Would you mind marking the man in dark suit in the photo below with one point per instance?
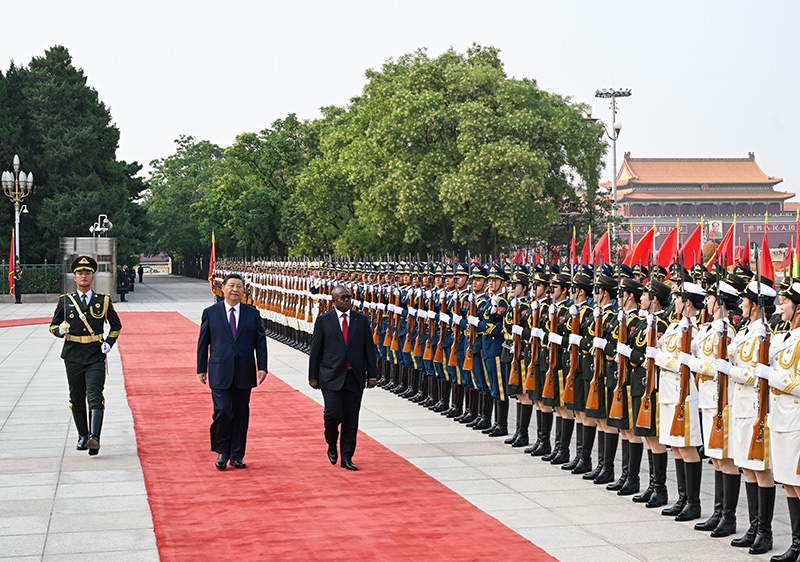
(235, 333)
(341, 363)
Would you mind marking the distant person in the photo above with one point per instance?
(131, 278)
(123, 283)
(18, 284)
(140, 271)
(80, 319)
(237, 362)
(342, 361)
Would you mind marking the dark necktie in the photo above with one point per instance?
(85, 301)
(344, 333)
(233, 323)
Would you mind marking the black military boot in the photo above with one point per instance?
(625, 468)
(96, 425)
(678, 506)
(585, 461)
(731, 483)
(445, 401)
(766, 506)
(471, 398)
(794, 518)
(538, 442)
(502, 419)
(606, 475)
(455, 409)
(83, 429)
(513, 438)
(711, 523)
(660, 495)
(632, 482)
(601, 458)
(644, 497)
(402, 379)
(557, 442)
(434, 388)
(547, 426)
(751, 490)
(489, 405)
(525, 414)
(485, 408)
(578, 448)
(694, 473)
(567, 427)
(422, 389)
(413, 382)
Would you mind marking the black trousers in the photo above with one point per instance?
(86, 384)
(231, 420)
(342, 408)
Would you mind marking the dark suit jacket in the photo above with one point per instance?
(329, 355)
(231, 361)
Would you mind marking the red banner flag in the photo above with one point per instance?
(644, 247)
(725, 249)
(744, 259)
(691, 250)
(211, 261)
(602, 251)
(668, 249)
(573, 252)
(765, 267)
(586, 255)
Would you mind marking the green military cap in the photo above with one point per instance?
(561, 278)
(583, 281)
(520, 275)
(632, 286)
(84, 263)
(660, 290)
(540, 275)
(607, 283)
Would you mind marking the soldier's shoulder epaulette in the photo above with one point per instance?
(101, 295)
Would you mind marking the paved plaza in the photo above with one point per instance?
(58, 504)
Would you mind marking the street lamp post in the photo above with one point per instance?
(17, 185)
(613, 94)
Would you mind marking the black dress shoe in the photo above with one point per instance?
(333, 456)
(238, 463)
(222, 461)
(348, 464)
(83, 443)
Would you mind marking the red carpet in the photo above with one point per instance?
(290, 503)
(24, 322)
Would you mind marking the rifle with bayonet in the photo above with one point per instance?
(716, 439)
(679, 419)
(757, 451)
(616, 411)
(645, 417)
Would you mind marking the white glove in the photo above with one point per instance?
(516, 330)
(719, 326)
(534, 306)
(62, 331)
(444, 318)
(473, 321)
(685, 358)
(396, 292)
(620, 316)
(412, 311)
(391, 307)
(760, 331)
(428, 294)
(624, 349)
(597, 312)
(472, 297)
(684, 324)
(723, 366)
(538, 333)
(555, 338)
(456, 319)
(764, 371)
(573, 311)
(105, 348)
(357, 304)
(514, 302)
(650, 319)
(418, 292)
(600, 343)
(575, 339)
(652, 353)
(382, 306)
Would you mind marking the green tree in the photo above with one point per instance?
(64, 134)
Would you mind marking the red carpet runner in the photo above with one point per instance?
(25, 322)
(290, 503)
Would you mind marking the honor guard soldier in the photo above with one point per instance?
(517, 333)
(540, 307)
(80, 319)
(490, 329)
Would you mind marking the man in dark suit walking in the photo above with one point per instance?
(341, 363)
(238, 358)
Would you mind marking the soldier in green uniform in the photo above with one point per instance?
(80, 319)
(540, 306)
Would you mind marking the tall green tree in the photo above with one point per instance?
(64, 134)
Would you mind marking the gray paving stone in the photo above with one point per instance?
(606, 553)
(23, 524)
(113, 556)
(100, 541)
(13, 546)
(106, 521)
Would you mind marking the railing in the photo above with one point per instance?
(40, 278)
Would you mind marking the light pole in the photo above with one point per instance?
(613, 94)
(101, 226)
(17, 186)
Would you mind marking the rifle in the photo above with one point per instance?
(387, 338)
(569, 384)
(593, 399)
(679, 420)
(716, 438)
(413, 301)
(420, 329)
(453, 360)
(468, 355)
(438, 357)
(513, 377)
(550, 378)
(645, 417)
(759, 428)
(616, 410)
(530, 377)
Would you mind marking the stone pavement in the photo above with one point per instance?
(57, 504)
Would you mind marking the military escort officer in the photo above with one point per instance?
(80, 319)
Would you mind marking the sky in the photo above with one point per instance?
(708, 78)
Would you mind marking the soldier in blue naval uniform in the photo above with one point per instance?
(80, 319)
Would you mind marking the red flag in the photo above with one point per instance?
(11, 266)
(644, 247)
(725, 248)
(573, 252)
(691, 250)
(787, 259)
(744, 259)
(211, 261)
(765, 267)
(538, 256)
(602, 251)
(668, 249)
(586, 255)
(518, 257)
